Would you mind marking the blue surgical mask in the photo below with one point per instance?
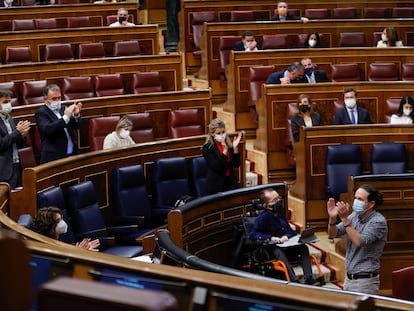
(308, 71)
(358, 207)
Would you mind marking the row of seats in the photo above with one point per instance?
(53, 23)
(31, 92)
(181, 123)
(340, 73)
(67, 51)
(386, 158)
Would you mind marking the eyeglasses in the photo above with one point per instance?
(55, 98)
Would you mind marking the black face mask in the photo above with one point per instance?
(304, 108)
(122, 19)
(277, 208)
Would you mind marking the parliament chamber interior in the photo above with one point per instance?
(171, 74)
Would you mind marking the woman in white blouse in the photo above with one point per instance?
(389, 38)
(404, 115)
(120, 137)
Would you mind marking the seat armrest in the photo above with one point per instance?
(129, 220)
(94, 234)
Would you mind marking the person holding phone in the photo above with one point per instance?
(57, 124)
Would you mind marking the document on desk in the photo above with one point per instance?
(307, 236)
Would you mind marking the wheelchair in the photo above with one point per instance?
(257, 256)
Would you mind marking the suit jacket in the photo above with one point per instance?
(274, 78)
(320, 76)
(239, 46)
(216, 168)
(6, 148)
(342, 116)
(14, 3)
(289, 17)
(297, 121)
(53, 138)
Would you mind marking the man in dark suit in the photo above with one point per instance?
(12, 136)
(351, 113)
(247, 43)
(311, 74)
(293, 74)
(56, 125)
(284, 15)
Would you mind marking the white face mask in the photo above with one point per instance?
(220, 137)
(6, 108)
(384, 37)
(61, 227)
(56, 105)
(350, 103)
(407, 112)
(124, 133)
(311, 43)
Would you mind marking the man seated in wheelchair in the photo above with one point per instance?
(272, 226)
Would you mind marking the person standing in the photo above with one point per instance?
(222, 157)
(351, 113)
(366, 230)
(57, 124)
(12, 136)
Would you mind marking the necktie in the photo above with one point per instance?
(353, 116)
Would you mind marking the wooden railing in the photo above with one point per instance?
(237, 72)
(147, 35)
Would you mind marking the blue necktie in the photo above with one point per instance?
(353, 116)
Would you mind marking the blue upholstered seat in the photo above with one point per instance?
(342, 161)
(198, 176)
(388, 158)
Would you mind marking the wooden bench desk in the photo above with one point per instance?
(147, 35)
(237, 71)
(332, 28)
(96, 12)
(262, 9)
(270, 145)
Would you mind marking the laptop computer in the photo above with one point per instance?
(307, 236)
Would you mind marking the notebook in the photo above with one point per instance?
(307, 236)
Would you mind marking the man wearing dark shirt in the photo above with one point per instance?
(272, 225)
(284, 15)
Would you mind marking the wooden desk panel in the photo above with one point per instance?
(237, 71)
(96, 12)
(147, 35)
(263, 9)
(157, 104)
(332, 28)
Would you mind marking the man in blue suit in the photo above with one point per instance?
(56, 124)
(351, 113)
(311, 74)
(293, 74)
(247, 43)
(284, 15)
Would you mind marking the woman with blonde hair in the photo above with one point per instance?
(304, 116)
(222, 156)
(121, 136)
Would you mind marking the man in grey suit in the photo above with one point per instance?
(351, 113)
